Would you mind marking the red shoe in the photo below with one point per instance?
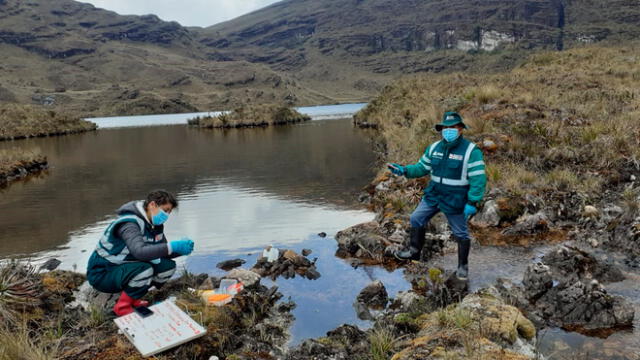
(124, 305)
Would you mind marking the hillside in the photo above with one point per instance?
(404, 36)
(64, 53)
(72, 55)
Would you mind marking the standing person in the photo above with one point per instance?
(457, 185)
(133, 254)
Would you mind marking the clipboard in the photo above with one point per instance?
(166, 328)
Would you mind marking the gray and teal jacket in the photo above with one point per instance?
(457, 174)
(129, 238)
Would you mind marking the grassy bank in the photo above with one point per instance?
(562, 122)
(250, 116)
(38, 321)
(16, 163)
(25, 121)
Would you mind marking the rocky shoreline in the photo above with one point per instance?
(22, 169)
(28, 121)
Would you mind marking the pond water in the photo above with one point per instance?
(325, 112)
(239, 191)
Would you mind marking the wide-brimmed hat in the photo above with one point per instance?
(450, 118)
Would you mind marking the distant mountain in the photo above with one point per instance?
(66, 54)
(406, 35)
(78, 57)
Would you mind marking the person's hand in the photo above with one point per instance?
(396, 169)
(183, 246)
(469, 210)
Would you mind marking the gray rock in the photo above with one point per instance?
(489, 215)
(611, 212)
(537, 280)
(409, 301)
(529, 225)
(50, 264)
(247, 277)
(89, 298)
(361, 240)
(230, 264)
(571, 263)
(374, 295)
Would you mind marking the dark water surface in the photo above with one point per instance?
(239, 191)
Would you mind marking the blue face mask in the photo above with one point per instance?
(160, 217)
(450, 134)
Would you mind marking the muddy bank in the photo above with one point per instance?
(251, 116)
(16, 164)
(27, 121)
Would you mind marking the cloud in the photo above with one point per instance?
(186, 12)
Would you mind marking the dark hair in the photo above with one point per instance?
(161, 197)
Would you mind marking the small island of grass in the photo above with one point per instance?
(251, 116)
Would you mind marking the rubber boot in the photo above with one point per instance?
(124, 305)
(464, 246)
(416, 242)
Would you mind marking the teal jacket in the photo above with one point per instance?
(457, 174)
(129, 238)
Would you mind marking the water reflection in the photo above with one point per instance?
(324, 112)
(322, 304)
(321, 164)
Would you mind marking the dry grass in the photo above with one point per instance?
(23, 121)
(24, 344)
(14, 157)
(566, 121)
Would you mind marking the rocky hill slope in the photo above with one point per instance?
(405, 35)
(70, 54)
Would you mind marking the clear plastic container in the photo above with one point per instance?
(235, 288)
(225, 284)
(271, 253)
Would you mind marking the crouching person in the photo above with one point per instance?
(133, 254)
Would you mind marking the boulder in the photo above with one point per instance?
(488, 216)
(537, 280)
(89, 298)
(362, 241)
(247, 277)
(496, 330)
(583, 306)
(570, 264)
(230, 264)
(529, 225)
(374, 295)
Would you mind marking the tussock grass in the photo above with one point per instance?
(14, 157)
(382, 342)
(252, 115)
(21, 343)
(24, 121)
(563, 121)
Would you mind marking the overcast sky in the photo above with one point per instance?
(186, 12)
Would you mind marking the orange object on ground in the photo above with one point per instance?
(219, 299)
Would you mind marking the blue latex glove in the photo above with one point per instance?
(469, 210)
(397, 169)
(183, 246)
(155, 261)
